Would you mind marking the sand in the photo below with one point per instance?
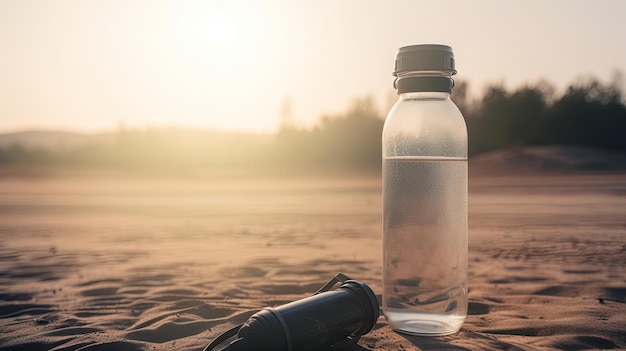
(157, 263)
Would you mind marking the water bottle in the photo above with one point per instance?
(424, 147)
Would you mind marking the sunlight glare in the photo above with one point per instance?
(221, 32)
(212, 51)
(216, 37)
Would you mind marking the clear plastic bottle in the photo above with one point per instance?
(425, 197)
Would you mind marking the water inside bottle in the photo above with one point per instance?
(425, 244)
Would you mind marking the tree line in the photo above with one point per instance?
(587, 113)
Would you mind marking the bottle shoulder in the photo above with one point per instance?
(425, 127)
(423, 107)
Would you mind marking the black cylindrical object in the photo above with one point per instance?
(334, 319)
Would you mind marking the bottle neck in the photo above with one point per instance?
(423, 83)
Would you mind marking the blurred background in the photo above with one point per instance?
(277, 86)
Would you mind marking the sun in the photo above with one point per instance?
(215, 35)
(221, 32)
(211, 51)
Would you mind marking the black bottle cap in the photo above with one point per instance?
(425, 57)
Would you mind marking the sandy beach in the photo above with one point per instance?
(157, 263)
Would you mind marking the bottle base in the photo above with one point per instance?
(424, 324)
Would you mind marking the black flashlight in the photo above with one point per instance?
(329, 320)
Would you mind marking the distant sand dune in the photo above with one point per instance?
(553, 158)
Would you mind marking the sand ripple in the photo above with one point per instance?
(133, 272)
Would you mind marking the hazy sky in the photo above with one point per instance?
(88, 65)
